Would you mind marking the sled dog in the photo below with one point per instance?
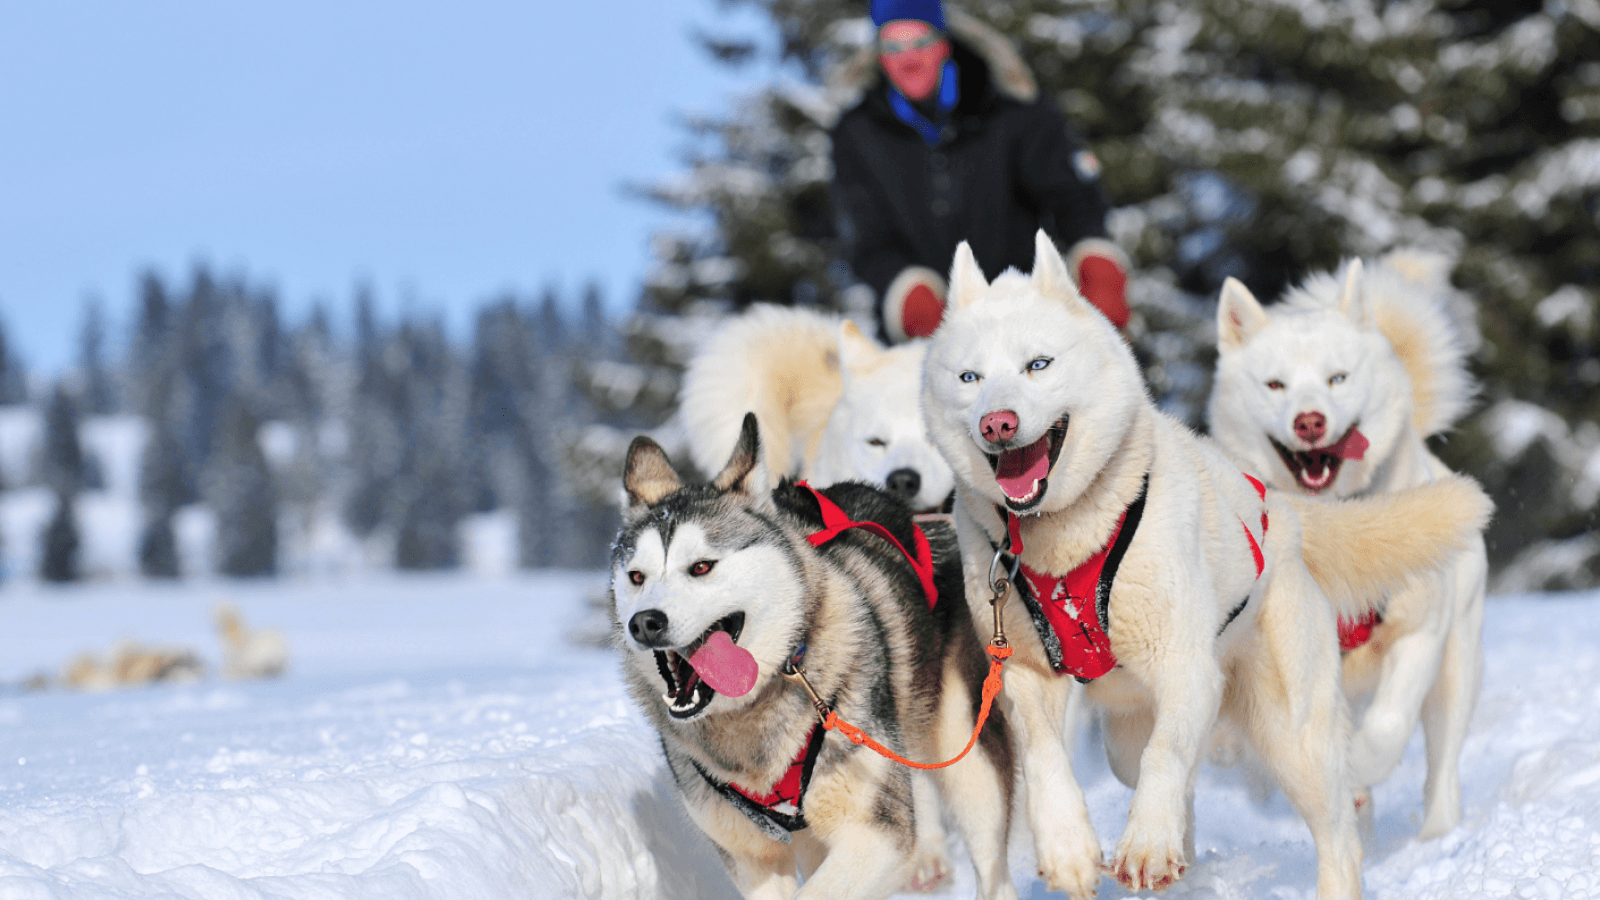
(833, 404)
(1333, 392)
(717, 589)
(1180, 591)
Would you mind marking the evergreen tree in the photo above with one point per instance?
(161, 492)
(61, 464)
(60, 542)
(239, 488)
(97, 395)
(62, 471)
(13, 380)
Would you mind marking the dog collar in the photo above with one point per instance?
(836, 521)
(777, 812)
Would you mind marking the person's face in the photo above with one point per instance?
(912, 54)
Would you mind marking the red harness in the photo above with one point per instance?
(836, 521)
(1355, 632)
(1070, 612)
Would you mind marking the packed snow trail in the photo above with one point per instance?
(446, 737)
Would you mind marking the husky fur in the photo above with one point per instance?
(733, 556)
(1377, 349)
(1204, 633)
(833, 404)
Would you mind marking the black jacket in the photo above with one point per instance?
(1004, 169)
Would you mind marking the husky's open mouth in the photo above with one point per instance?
(1023, 473)
(687, 692)
(1317, 469)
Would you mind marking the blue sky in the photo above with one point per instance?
(442, 153)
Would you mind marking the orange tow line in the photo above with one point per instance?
(998, 649)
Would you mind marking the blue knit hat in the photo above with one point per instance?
(930, 11)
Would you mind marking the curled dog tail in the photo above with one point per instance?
(1362, 549)
(780, 363)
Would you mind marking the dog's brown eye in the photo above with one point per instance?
(1274, 385)
(1338, 378)
(636, 576)
(877, 442)
(701, 567)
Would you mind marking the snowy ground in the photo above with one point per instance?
(444, 737)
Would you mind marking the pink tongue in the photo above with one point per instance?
(1352, 446)
(726, 666)
(1020, 470)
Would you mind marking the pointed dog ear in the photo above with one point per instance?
(1239, 315)
(745, 472)
(647, 476)
(1353, 295)
(856, 350)
(1050, 275)
(967, 283)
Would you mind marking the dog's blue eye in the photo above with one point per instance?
(969, 376)
(1040, 363)
(1337, 379)
(701, 567)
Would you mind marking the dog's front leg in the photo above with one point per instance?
(1036, 701)
(864, 861)
(1407, 672)
(1187, 689)
(767, 873)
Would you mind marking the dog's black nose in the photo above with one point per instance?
(904, 484)
(648, 627)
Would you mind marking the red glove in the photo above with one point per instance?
(913, 304)
(923, 310)
(1104, 283)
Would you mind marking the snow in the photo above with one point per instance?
(450, 737)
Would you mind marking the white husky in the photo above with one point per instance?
(1333, 391)
(1146, 566)
(833, 405)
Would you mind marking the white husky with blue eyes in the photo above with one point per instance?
(1147, 565)
(1333, 392)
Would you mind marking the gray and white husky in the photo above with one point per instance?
(718, 589)
(1333, 392)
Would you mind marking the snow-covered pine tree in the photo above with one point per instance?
(61, 469)
(60, 543)
(1255, 138)
(429, 492)
(376, 447)
(239, 488)
(161, 492)
(97, 396)
(13, 377)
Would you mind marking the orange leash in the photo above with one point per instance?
(999, 651)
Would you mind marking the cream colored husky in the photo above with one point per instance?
(1333, 392)
(1150, 567)
(833, 404)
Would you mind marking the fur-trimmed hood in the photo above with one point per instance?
(848, 82)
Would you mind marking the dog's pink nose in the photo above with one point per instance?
(999, 426)
(1310, 427)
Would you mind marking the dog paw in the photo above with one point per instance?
(930, 871)
(1148, 866)
(1072, 865)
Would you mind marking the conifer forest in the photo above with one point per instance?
(1258, 139)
